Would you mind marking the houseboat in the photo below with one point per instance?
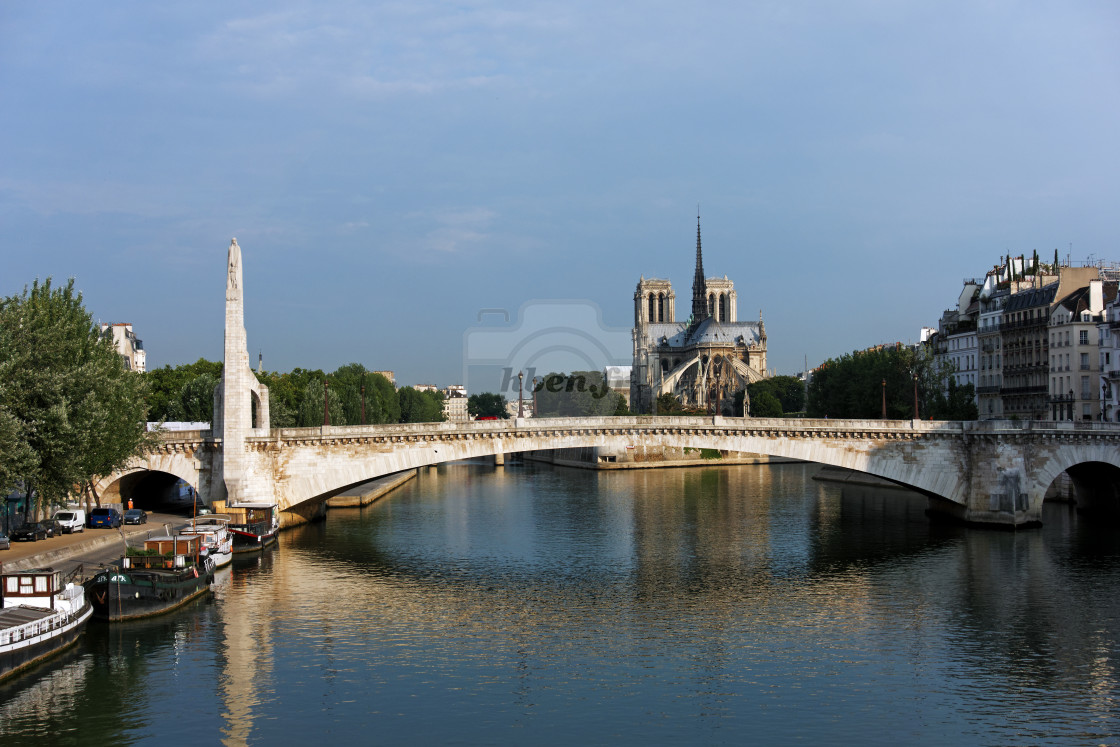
(254, 526)
(216, 538)
(43, 613)
(169, 572)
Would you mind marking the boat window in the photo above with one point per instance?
(40, 583)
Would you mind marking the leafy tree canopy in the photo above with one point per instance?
(420, 407)
(74, 410)
(487, 405)
(853, 387)
(578, 394)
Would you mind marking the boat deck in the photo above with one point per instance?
(12, 617)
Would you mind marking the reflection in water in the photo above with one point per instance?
(552, 605)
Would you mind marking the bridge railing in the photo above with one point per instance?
(645, 423)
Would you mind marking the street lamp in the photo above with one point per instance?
(326, 402)
(915, 396)
(520, 398)
(535, 387)
(884, 399)
(363, 393)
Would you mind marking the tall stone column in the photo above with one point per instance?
(233, 400)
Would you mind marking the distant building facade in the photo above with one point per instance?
(1036, 341)
(703, 361)
(130, 347)
(455, 404)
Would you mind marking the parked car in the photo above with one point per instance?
(5, 543)
(54, 529)
(135, 516)
(110, 518)
(71, 521)
(30, 533)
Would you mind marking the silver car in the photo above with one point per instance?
(5, 543)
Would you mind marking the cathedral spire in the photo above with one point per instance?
(699, 285)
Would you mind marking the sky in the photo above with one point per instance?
(396, 171)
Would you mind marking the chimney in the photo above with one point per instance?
(1096, 296)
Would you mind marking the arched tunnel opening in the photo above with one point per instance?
(1093, 486)
(148, 490)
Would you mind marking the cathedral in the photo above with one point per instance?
(703, 361)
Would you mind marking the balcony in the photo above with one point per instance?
(1039, 389)
(987, 390)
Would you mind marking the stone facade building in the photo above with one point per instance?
(130, 347)
(702, 361)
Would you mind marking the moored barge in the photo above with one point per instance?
(254, 526)
(170, 572)
(43, 613)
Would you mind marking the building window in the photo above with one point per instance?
(1084, 337)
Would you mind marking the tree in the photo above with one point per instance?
(165, 388)
(387, 398)
(487, 405)
(80, 413)
(420, 407)
(196, 399)
(852, 386)
(578, 394)
(765, 405)
(311, 412)
(16, 456)
(786, 394)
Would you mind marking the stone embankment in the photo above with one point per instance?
(367, 493)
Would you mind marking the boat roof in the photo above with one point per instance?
(252, 505)
(11, 617)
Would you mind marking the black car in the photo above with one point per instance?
(135, 516)
(54, 527)
(30, 533)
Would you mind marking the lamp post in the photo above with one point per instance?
(1071, 405)
(363, 393)
(535, 387)
(884, 399)
(915, 396)
(520, 398)
(326, 402)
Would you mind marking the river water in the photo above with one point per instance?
(482, 605)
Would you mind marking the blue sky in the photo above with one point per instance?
(390, 169)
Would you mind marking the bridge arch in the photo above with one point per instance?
(1094, 473)
(317, 467)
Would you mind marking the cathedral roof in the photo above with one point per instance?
(708, 332)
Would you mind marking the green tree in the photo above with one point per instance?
(578, 394)
(196, 399)
(852, 386)
(787, 391)
(16, 457)
(387, 398)
(765, 405)
(487, 405)
(311, 407)
(80, 413)
(420, 407)
(165, 387)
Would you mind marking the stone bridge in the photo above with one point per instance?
(992, 472)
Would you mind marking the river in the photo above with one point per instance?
(533, 604)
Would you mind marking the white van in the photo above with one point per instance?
(71, 520)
